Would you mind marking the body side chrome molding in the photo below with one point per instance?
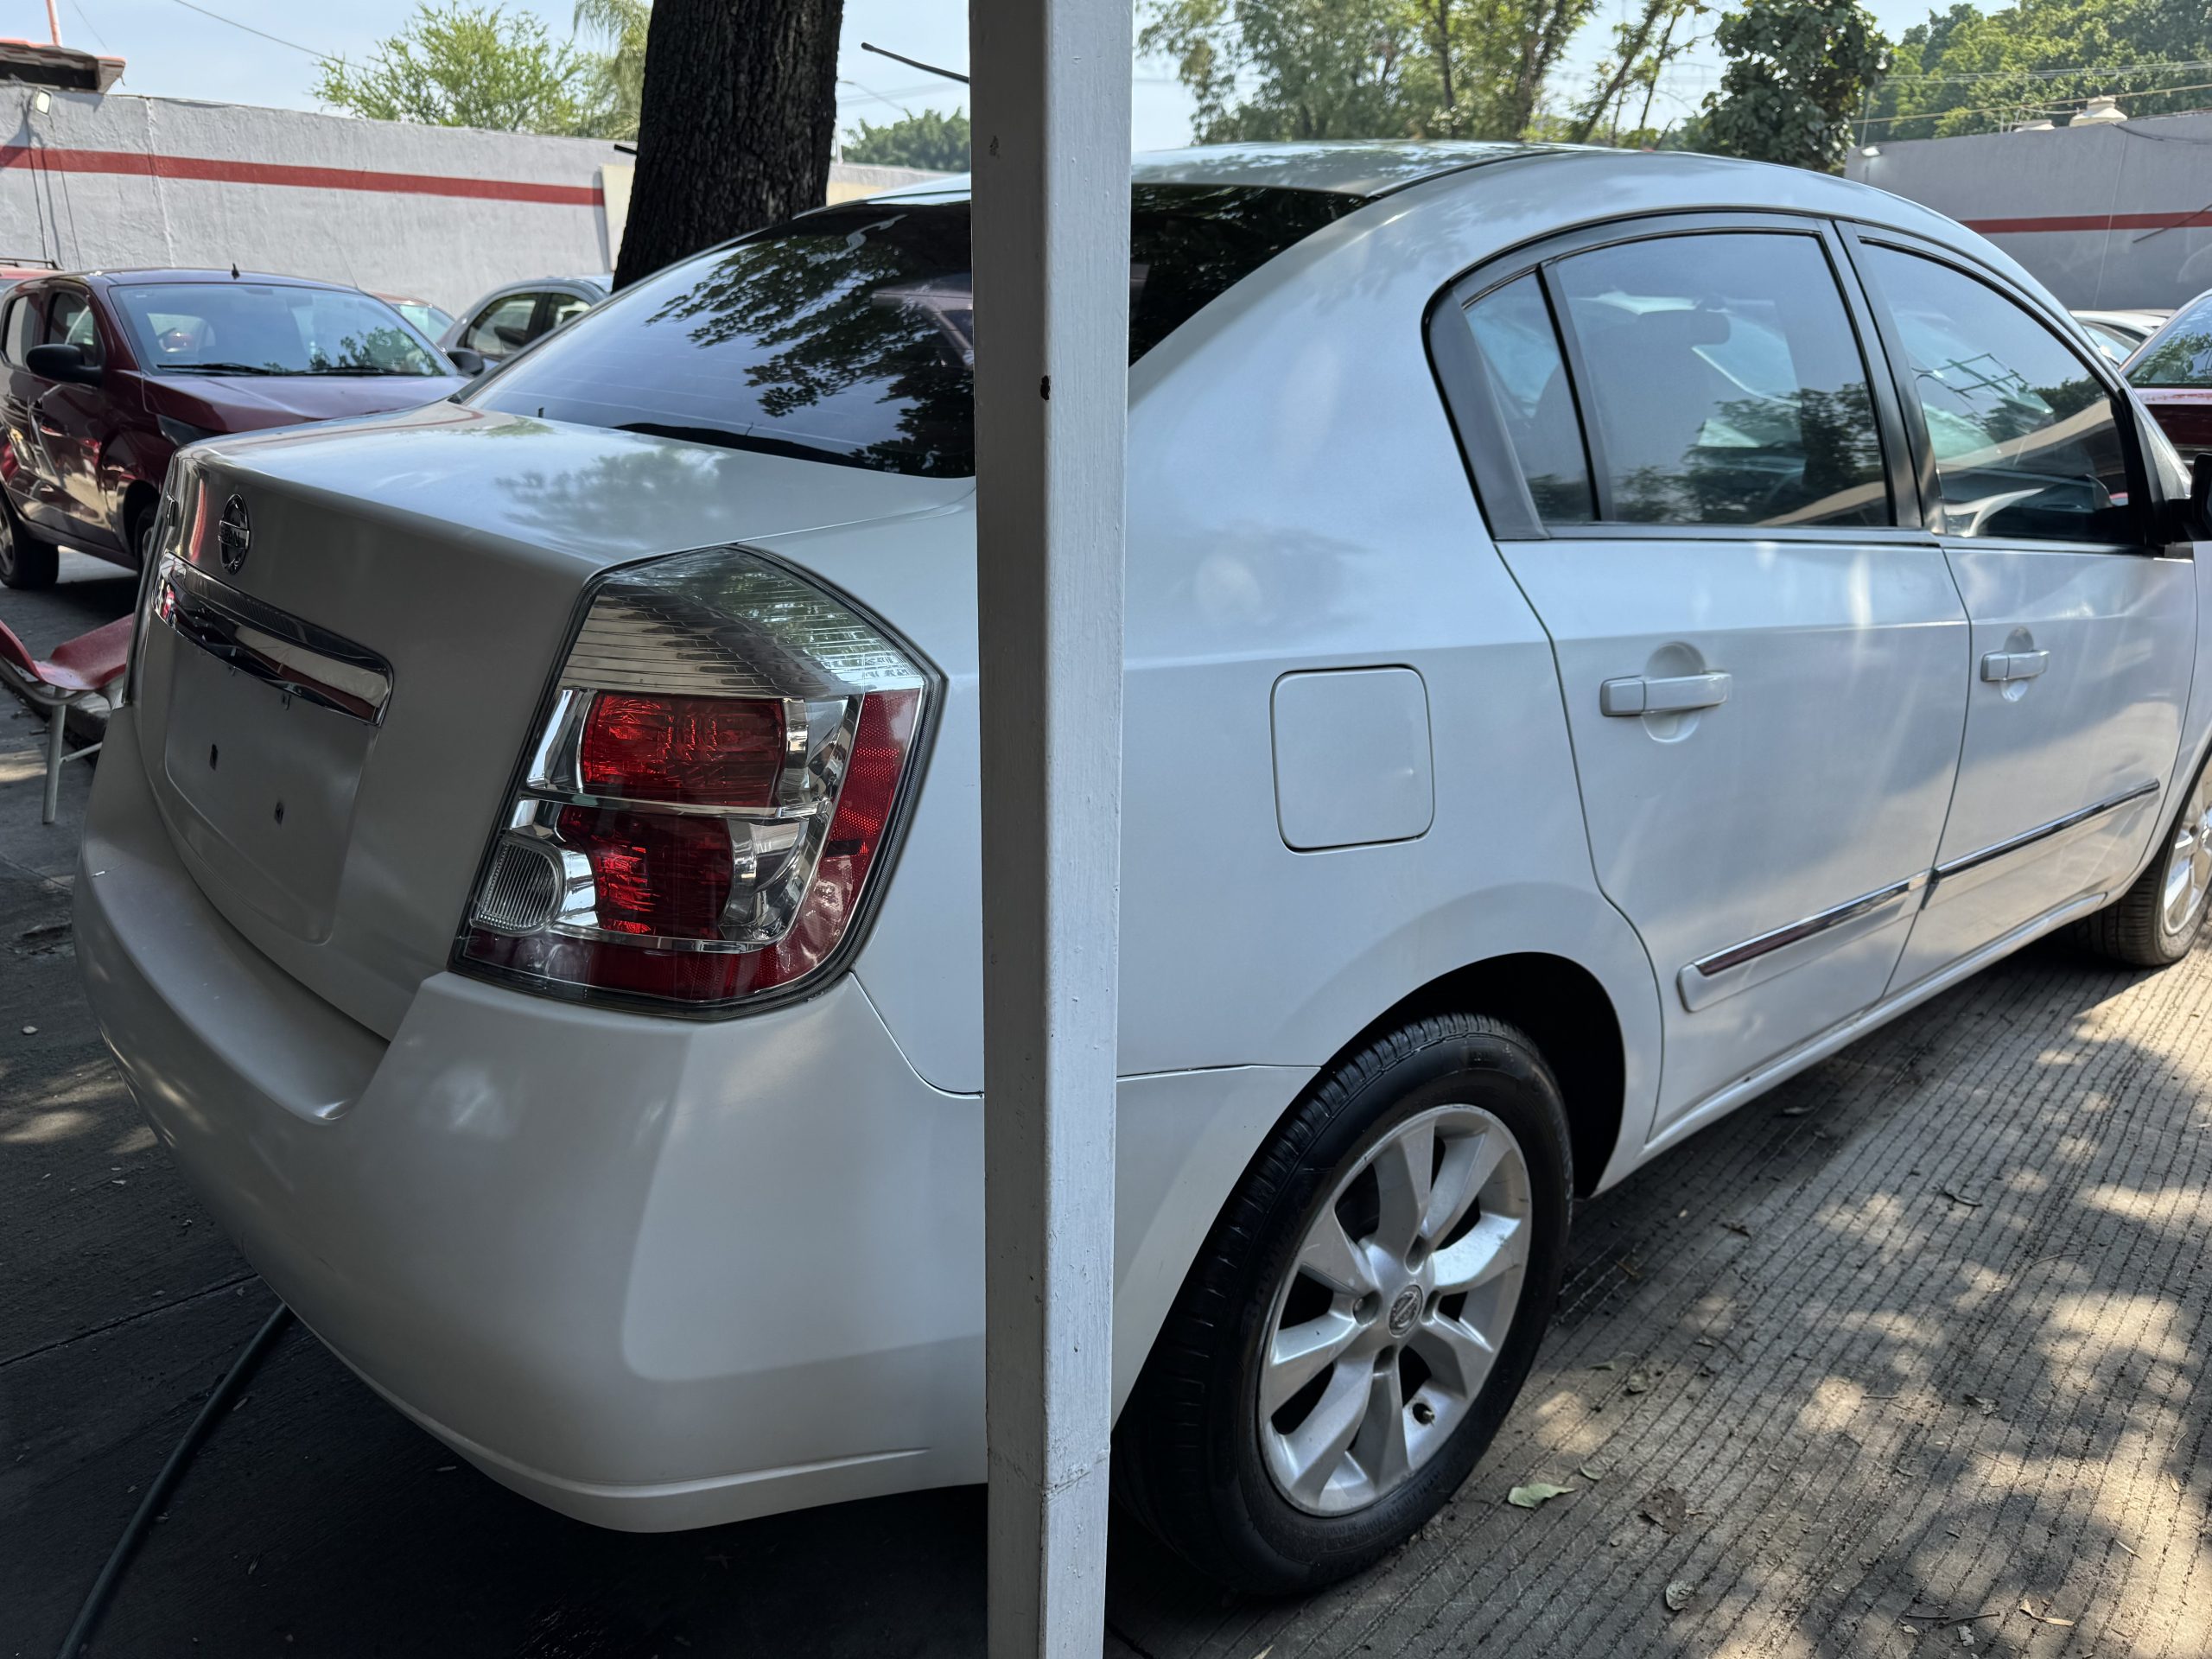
(1711, 978)
(1721, 961)
(1960, 865)
(272, 645)
(1819, 1046)
(1752, 961)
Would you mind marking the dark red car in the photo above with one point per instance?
(2171, 373)
(104, 376)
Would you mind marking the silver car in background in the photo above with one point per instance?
(502, 322)
(1604, 630)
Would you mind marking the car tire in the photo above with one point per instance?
(26, 560)
(2157, 921)
(1208, 1453)
(139, 535)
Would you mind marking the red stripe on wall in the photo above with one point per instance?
(298, 178)
(2089, 222)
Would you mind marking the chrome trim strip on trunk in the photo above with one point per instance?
(1959, 866)
(272, 645)
(1736, 955)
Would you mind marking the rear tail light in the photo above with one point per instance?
(703, 816)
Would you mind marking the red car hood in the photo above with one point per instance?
(242, 403)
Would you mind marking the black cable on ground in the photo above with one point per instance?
(88, 1616)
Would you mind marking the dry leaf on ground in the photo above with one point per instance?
(1536, 1494)
(1665, 1508)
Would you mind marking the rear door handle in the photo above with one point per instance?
(2001, 667)
(1678, 695)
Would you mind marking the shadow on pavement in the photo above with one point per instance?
(1885, 1354)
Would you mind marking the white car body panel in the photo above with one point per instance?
(550, 1232)
(2102, 719)
(1823, 779)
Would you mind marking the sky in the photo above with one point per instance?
(173, 51)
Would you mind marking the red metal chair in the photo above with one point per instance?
(80, 668)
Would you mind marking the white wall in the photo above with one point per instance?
(443, 213)
(2108, 216)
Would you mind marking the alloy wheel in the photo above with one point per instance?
(2189, 864)
(1387, 1321)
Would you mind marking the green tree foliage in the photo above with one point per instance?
(467, 66)
(1969, 71)
(1627, 83)
(1799, 71)
(622, 26)
(937, 142)
(1312, 69)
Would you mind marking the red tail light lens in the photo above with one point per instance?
(652, 875)
(698, 750)
(728, 750)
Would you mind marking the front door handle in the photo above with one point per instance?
(2001, 667)
(1676, 695)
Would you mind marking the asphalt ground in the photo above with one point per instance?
(1903, 1358)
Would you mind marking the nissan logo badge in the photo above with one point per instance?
(234, 535)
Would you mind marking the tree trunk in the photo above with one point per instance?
(736, 124)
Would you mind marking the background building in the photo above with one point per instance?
(93, 181)
(2109, 215)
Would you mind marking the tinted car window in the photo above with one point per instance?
(561, 308)
(69, 322)
(2023, 434)
(1725, 383)
(21, 326)
(504, 326)
(1513, 327)
(848, 334)
(269, 328)
(2182, 353)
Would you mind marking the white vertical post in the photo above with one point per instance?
(1051, 116)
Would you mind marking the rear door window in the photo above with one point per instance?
(562, 309)
(19, 331)
(505, 326)
(1723, 383)
(2023, 437)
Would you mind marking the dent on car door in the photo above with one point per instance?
(1690, 469)
(33, 487)
(2084, 631)
(77, 422)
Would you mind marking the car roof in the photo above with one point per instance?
(151, 274)
(1365, 168)
(1362, 168)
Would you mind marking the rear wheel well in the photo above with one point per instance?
(1566, 1012)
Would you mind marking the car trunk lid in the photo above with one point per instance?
(355, 629)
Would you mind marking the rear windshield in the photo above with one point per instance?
(848, 336)
(2181, 354)
(270, 328)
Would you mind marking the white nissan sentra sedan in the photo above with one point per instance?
(1604, 631)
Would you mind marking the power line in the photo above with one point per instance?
(322, 57)
(89, 23)
(2099, 69)
(2002, 109)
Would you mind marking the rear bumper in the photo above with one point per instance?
(653, 1274)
